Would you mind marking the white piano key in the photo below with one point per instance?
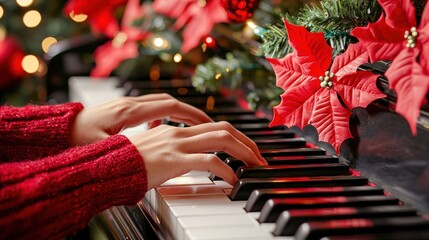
(226, 233)
(194, 180)
(196, 173)
(190, 190)
(189, 222)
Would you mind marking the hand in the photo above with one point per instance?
(169, 151)
(96, 123)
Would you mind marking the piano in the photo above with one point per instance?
(378, 188)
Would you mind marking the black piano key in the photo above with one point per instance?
(240, 119)
(259, 196)
(271, 134)
(244, 187)
(276, 161)
(256, 127)
(228, 111)
(392, 235)
(327, 169)
(289, 221)
(292, 152)
(234, 163)
(280, 143)
(282, 152)
(274, 207)
(348, 227)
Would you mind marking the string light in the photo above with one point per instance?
(30, 64)
(1, 11)
(177, 58)
(32, 18)
(78, 17)
(47, 42)
(160, 43)
(210, 42)
(24, 3)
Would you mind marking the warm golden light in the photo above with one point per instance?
(30, 64)
(160, 43)
(32, 18)
(251, 24)
(2, 33)
(177, 57)
(47, 42)
(1, 11)
(78, 17)
(24, 3)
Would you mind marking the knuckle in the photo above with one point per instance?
(223, 134)
(225, 125)
(166, 96)
(210, 159)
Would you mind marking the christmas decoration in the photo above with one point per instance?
(396, 36)
(336, 18)
(100, 13)
(313, 87)
(124, 45)
(240, 10)
(197, 17)
(11, 55)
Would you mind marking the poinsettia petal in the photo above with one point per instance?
(423, 39)
(400, 14)
(133, 11)
(358, 89)
(425, 17)
(199, 27)
(296, 105)
(107, 57)
(312, 51)
(288, 73)
(350, 60)
(406, 77)
(331, 119)
(100, 13)
(382, 41)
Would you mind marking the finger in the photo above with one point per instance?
(172, 108)
(220, 140)
(151, 97)
(208, 127)
(213, 164)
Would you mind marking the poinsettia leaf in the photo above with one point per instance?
(100, 13)
(174, 9)
(201, 24)
(406, 77)
(350, 60)
(358, 89)
(312, 52)
(108, 57)
(400, 14)
(296, 105)
(289, 73)
(382, 41)
(331, 119)
(133, 11)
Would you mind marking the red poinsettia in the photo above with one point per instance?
(408, 74)
(196, 16)
(100, 13)
(124, 45)
(313, 87)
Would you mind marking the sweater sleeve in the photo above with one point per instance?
(56, 196)
(33, 132)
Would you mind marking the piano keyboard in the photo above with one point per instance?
(304, 193)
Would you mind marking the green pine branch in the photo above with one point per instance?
(336, 18)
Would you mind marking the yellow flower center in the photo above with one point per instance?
(326, 81)
(411, 37)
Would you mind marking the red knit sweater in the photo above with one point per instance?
(50, 190)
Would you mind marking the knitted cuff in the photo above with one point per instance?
(60, 194)
(33, 132)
